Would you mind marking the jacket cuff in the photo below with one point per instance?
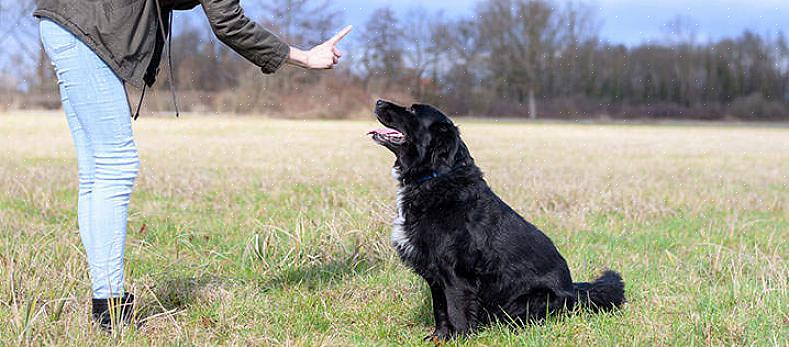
(279, 58)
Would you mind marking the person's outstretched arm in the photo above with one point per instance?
(260, 46)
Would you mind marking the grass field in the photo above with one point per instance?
(246, 231)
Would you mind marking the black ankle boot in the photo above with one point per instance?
(109, 313)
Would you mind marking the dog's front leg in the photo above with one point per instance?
(443, 327)
(462, 306)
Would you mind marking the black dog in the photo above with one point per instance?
(482, 260)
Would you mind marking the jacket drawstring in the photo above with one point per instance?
(170, 63)
(139, 104)
(168, 49)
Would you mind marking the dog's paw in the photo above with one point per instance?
(434, 339)
(439, 336)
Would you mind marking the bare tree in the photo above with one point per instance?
(577, 43)
(422, 51)
(465, 58)
(382, 55)
(522, 35)
(301, 22)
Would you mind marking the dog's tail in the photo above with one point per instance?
(605, 293)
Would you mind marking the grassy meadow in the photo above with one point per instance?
(249, 231)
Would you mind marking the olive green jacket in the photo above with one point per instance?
(129, 35)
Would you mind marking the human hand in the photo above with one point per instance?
(322, 56)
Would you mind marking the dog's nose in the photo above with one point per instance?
(380, 103)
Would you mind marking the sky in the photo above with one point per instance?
(628, 22)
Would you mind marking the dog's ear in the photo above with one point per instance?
(444, 147)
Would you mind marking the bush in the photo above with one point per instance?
(756, 107)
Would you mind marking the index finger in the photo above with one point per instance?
(337, 37)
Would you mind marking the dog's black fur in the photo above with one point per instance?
(482, 260)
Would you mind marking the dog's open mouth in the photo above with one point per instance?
(387, 135)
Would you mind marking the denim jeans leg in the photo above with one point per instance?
(97, 110)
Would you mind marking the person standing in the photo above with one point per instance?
(97, 48)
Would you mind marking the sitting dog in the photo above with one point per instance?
(482, 261)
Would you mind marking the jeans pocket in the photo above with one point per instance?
(55, 38)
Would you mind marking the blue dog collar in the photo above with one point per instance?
(435, 174)
(426, 178)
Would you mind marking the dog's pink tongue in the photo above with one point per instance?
(384, 131)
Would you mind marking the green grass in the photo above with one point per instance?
(260, 232)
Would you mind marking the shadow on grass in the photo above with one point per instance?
(173, 295)
(177, 294)
(322, 274)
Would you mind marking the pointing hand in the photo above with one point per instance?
(322, 56)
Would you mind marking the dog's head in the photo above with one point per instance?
(424, 140)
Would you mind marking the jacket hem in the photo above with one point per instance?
(105, 56)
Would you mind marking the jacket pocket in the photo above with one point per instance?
(122, 27)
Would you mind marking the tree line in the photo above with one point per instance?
(507, 58)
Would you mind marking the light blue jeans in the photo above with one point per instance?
(98, 114)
